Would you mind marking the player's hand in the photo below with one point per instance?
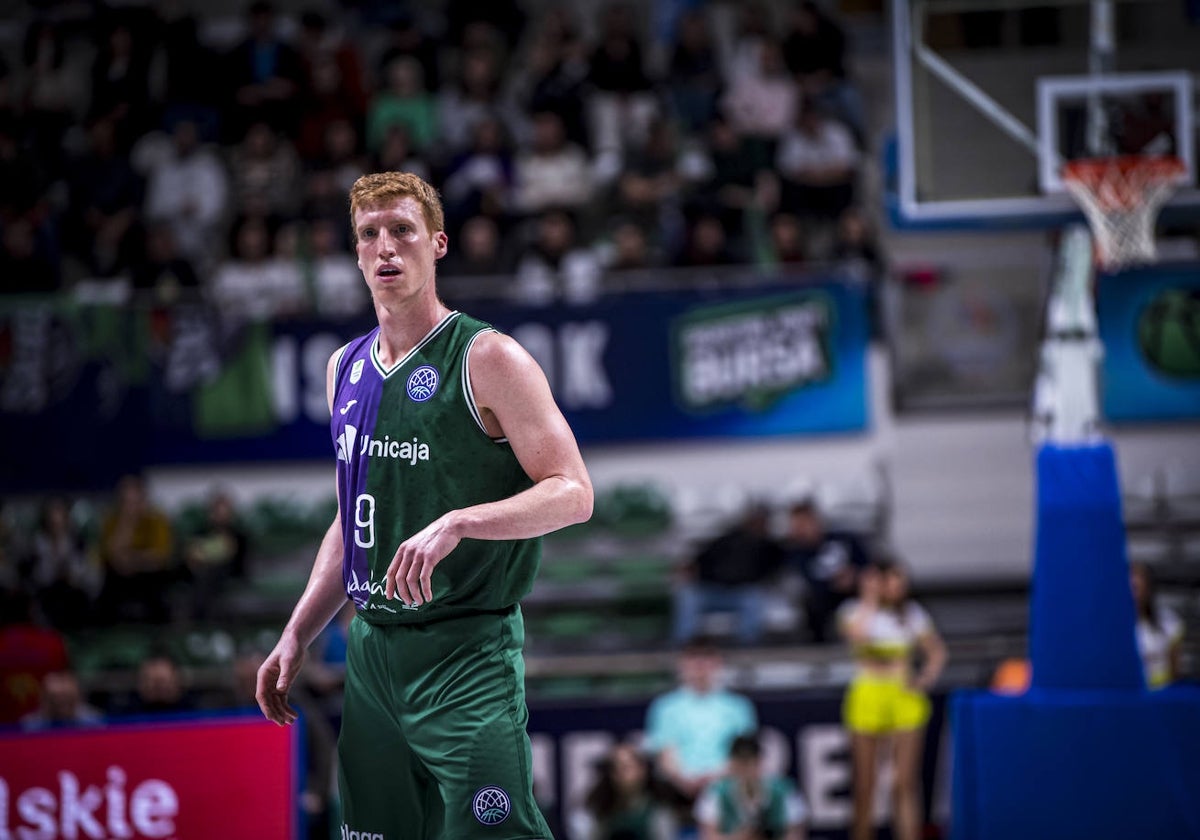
(410, 573)
(275, 677)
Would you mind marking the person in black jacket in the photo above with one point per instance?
(730, 572)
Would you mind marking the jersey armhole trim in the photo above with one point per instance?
(337, 365)
(469, 392)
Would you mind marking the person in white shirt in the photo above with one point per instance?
(818, 165)
(1159, 629)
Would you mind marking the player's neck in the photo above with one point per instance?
(400, 328)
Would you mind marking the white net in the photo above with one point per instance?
(1121, 198)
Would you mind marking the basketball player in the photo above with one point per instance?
(452, 459)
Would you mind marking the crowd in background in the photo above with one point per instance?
(172, 152)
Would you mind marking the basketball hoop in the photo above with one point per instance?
(1121, 197)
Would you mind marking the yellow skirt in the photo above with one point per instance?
(881, 705)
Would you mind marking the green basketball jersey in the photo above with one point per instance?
(411, 446)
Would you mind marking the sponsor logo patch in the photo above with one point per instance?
(491, 805)
(423, 383)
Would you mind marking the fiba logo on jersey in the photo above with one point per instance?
(491, 805)
(423, 383)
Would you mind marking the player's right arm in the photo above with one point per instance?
(324, 595)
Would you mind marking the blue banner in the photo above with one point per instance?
(87, 393)
(1149, 321)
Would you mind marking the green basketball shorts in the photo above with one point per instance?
(433, 743)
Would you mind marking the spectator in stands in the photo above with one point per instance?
(629, 248)
(159, 688)
(788, 246)
(554, 267)
(733, 185)
(475, 96)
(480, 179)
(553, 75)
(103, 213)
(52, 92)
(886, 701)
(397, 154)
(694, 82)
(29, 650)
(1159, 629)
(265, 74)
(335, 82)
(403, 100)
(748, 803)
(648, 189)
(120, 72)
(62, 704)
(254, 283)
(622, 104)
(855, 247)
(163, 276)
(327, 179)
(188, 189)
(706, 244)
(479, 252)
(215, 554)
(627, 801)
(136, 549)
(551, 172)
(829, 561)
(338, 288)
(29, 262)
(818, 165)
(761, 104)
(264, 172)
(815, 51)
(179, 50)
(690, 729)
(64, 578)
(730, 571)
(403, 35)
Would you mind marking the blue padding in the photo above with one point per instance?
(1081, 622)
(1092, 765)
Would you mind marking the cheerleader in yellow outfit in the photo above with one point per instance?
(886, 703)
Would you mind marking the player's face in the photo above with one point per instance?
(396, 250)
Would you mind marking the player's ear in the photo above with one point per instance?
(440, 242)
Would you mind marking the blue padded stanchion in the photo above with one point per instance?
(1081, 614)
(1087, 752)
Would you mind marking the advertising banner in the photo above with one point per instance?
(230, 777)
(1149, 321)
(802, 737)
(89, 392)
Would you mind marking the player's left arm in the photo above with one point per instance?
(514, 401)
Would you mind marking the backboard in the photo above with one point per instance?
(993, 96)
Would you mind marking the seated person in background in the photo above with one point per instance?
(818, 165)
(29, 650)
(62, 705)
(749, 803)
(828, 560)
(215, 554)
(689, 729)
(730, 571)
(64, 578)
(160, 688)
(1159, 629)
(886, 703)
(626, 802)
(136, 548)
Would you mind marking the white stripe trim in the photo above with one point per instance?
(469, 392)
(429, 336)
(337, 365)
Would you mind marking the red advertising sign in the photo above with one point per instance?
(198, 779)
